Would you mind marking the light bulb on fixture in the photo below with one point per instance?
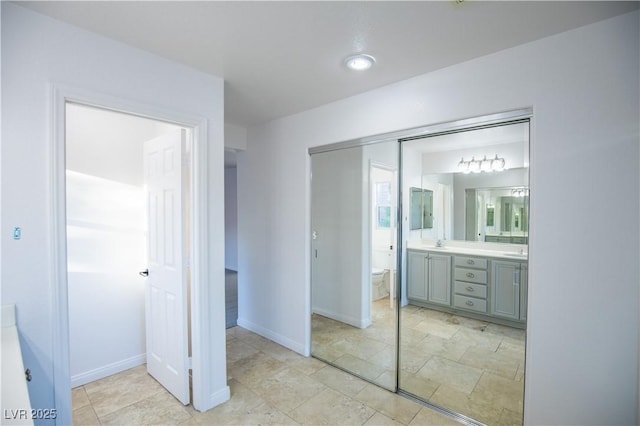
(497, 164)
(360, 62)
(463, 166)
(485, 164)
(474, 165)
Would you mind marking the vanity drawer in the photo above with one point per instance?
(470, 275)
(471, 262)
(468, 289)
(470, 303)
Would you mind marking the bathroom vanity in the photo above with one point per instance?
(488, 285)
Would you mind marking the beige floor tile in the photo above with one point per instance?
(386, 358)
(360, 367)
(427, 417)
(502, 363)
(85, 416)
(462, 403)
(118, 391)
(516, 347)
(387, 380)
(237, 349)
(505, 331)
(418, 386)
(237, 332)
(339, 380)
(455, 375)
(445, 348)
(161, 408)
(255, 368)
(242, 400)
(497, 391)
(390, 404)
(307, 365)
(326, 351)
(510, 418)
(412, 360)
(288, 389)
(263, 414)
(409, 319)
(332, 408)
(437, 328)
(79, 398)
(410, 336)
(281, 353)
(379, 419)
(472, 337)
(359, 346)
(520, 374)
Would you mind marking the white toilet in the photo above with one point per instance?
(378, 284)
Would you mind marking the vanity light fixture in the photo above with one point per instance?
(360, 62)
(520, 192)
(496, 164)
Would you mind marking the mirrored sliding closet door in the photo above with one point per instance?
(353, 265)
(419, 263)
(464, 291)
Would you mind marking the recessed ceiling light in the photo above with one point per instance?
(360, 62)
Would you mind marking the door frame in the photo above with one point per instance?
(393, 231)
(200, 316)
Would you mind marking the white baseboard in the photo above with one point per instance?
(107, 370)
(219, 397)
(271, 335)
(356, 322)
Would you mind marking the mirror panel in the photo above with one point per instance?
(353, 265)
(421, 208)
(462, 316)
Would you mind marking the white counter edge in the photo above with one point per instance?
(15, 403)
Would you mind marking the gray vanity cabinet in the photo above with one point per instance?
(429, 277)
(506, 283)
(470, 286)
(524, 289)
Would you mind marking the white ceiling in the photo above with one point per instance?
(280, 58)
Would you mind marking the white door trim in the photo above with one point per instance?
(200, 317)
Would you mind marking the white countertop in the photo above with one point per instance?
(499, 252)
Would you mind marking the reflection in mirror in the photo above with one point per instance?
(464, 281)
(503, 211)
(353, 264)
(421, 208)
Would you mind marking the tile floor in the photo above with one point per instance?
(269, 385)
(472, 367)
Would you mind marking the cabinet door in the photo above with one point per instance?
(505, 289)
(524, 287)
(416, 275)
(439, 279)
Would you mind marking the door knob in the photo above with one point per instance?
(144, 273)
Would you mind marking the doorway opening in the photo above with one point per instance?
(118, 231)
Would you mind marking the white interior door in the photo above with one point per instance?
(166, 293)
